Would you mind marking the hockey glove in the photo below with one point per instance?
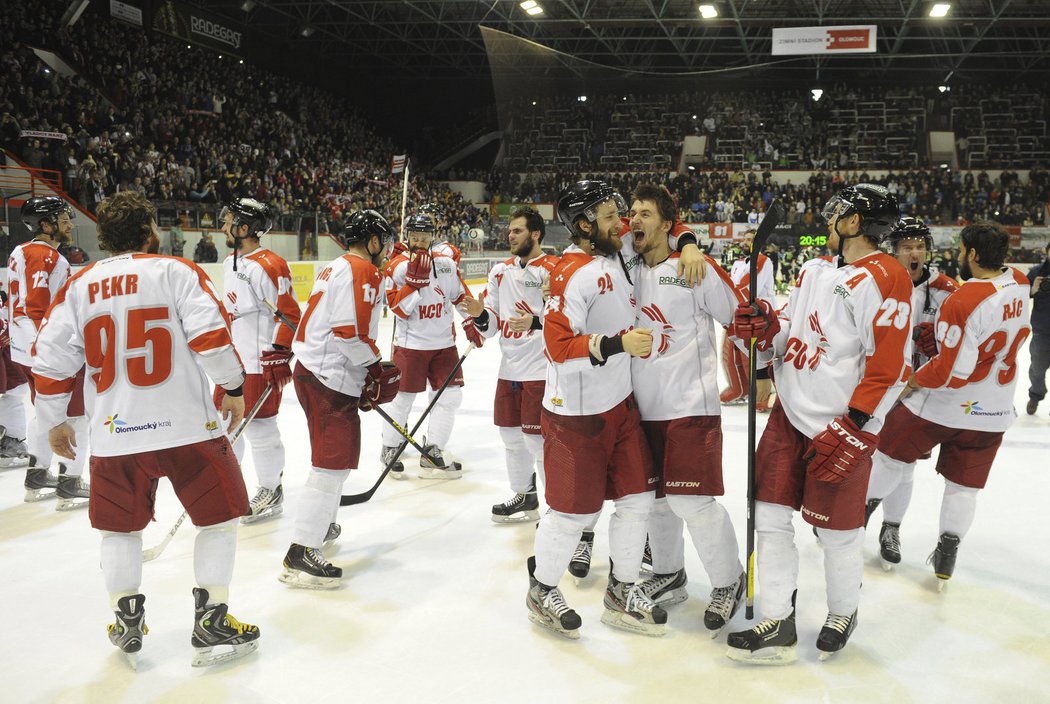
(381, 385)
(840, 449)
(925, 339)
(472, 332)
(398, 248)
(276, 367)
(757, 321)
(418, 274)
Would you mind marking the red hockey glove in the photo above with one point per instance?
(925, 339)
(472, 332)
(759, 321)
(841, 448)
(381, 385)
(276, 367)
(398, 248)
(418, 274)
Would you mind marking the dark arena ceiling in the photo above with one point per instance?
(978, 40)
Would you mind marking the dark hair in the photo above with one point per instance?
(665, 204)
(533, 220)
(125, 222)
(989, 240)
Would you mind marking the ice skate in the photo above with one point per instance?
(13, 452)
(521, 508)
(628, 608)
(725, 601)
(666, 589)
(771, 641)
(214, 627)
(869, 508)
(334, 531)
(835, 634)
(440, 469)
(129, 628)
(72, 492)
(890, 545)
(398, 470)
(580, 564)
(307, 568)
(943, 558)
(40, 484)
(548, 608)
(267, 503)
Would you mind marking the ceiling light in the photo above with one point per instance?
(940, 9)
(708, 12)
(533, 102)
(943, 89)
(247, 5)
(306, 31)
(582, 99)
(817, 92)
(531, 7)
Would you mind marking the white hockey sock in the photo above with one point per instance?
(439, 427)
(895, 505)
(777, 558)
(534, 444)
(666, 538)
(267, 451)
(519, 459)
(398, 410)
(556, 538)
(712, 532)
(317, 506)
(75, 467)
(627, 534)
(39, 446)
(13, 414)
(843, 568)
(958, 508)
(885, 475)
(214, 551)
(121, 559)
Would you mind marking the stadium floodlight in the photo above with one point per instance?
(708, 12)
(247, 5)
(306, 31)
(582, 99)
(531, 7)
(817, 92)
(944, 89)
(940, 9)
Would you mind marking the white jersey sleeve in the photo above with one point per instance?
(516, 289)
(425, 320)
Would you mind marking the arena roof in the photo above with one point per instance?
(977, 40)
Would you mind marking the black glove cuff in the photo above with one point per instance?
(239, 391)
(686, 239)
(481, 322)
(859, 418)
(537, 323)
(611, 345)
(762, 373)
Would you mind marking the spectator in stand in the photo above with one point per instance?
(206, 252)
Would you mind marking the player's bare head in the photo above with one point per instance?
(653, 214)
(749, 240)
(126, 222)
(525, 231)
(984, 243)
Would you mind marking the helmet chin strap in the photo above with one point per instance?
(842, 242)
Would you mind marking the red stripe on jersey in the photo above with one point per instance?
(53, 387)
(211, 340)
(956, 310)
(945, 283)
(562, 343)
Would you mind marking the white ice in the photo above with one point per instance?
(433, 604)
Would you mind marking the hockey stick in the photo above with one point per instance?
(774, 214)
(154, 552)
(354, 499)
(382, 414)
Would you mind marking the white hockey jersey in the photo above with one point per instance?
(927, 297)
(261, 276)
(336, 339)
(149, 327)
(680, 378)
(845, 341)
(425, 320)
(970, 383)
(35, 273)
(589, 295)
(516, 288)
(741, 276)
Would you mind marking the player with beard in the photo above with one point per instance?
(512, 307)
(676, 387)
(911, 243)
(979, 330)
(734, 359)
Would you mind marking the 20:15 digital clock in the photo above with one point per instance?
(812, 240)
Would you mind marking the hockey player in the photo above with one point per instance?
(421, 289)
(513, 309)
(979, 330)
(734, 360)
(681, 416)
(840, 347)
(13, 450)
(252, 277)
(911, 243)
(338, 372)
(149, 328)
(36, 271)
(594, 448)
(440, 245)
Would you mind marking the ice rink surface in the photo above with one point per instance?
(432, 608)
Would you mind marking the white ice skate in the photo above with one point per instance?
(267, 503)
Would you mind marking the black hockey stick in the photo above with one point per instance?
(354, 499)
(382, 414)
(774, 214)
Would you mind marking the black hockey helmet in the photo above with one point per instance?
(582, 200)
(362, 225)
(910, 228)
(248, 211)
(44, 209)
(421, 222)
(434, 210)
(878, 208)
